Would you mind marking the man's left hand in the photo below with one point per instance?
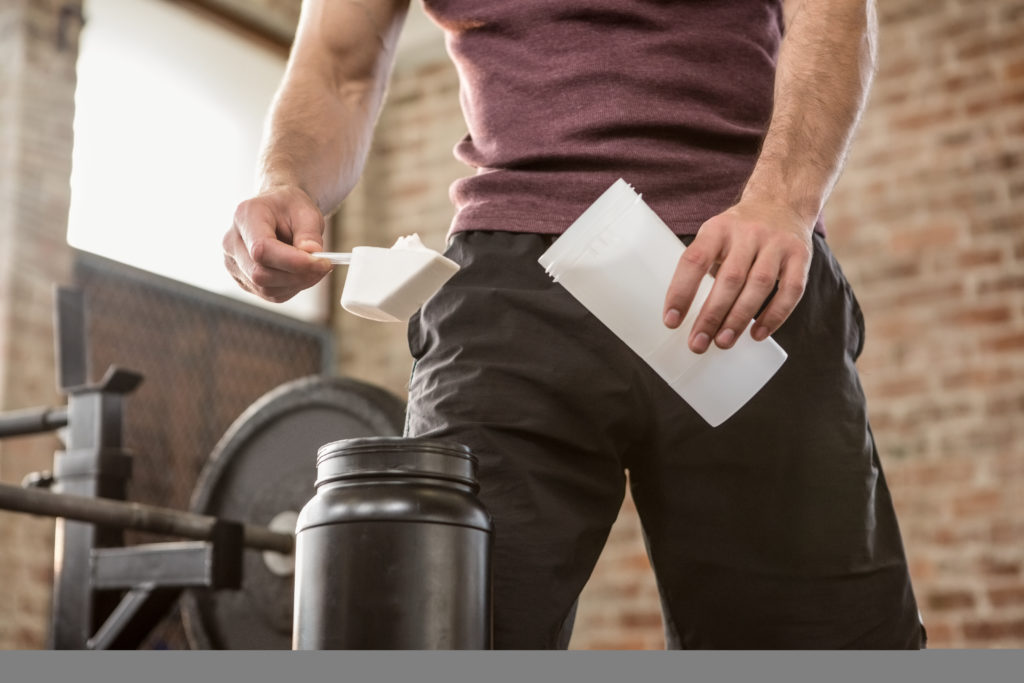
(756, 246)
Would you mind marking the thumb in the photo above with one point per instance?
(310, 245)
(307, 225)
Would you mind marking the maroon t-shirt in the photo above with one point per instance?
(563, 97)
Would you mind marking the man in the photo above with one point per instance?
(732, 117)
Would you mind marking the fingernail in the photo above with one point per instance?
(673, 318)
(759, 333)
(725, 338)
(700, 342)
(308, 245)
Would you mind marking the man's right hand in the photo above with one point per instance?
(268, 248)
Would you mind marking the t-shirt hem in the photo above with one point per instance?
(506, 222)
(521, 223)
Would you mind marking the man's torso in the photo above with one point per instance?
(561, 98)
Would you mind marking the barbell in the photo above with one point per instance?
(260, 473)
(137, 516)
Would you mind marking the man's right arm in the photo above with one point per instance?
(316, 142)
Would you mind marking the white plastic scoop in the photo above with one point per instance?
(389, 285)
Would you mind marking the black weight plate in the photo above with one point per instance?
(265, 464)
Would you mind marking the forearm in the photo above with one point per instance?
(825, 67)
(317, 139)
(321, 123)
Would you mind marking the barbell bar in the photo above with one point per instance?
(137, 516)
(32, 421)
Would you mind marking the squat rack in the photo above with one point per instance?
(107, 595)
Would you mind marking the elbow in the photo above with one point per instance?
(349, 45)
(869, 43)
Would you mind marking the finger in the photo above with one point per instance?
(695, 262)
(259, 228)
(254, 220)
(274, 295)
(792, 282)
(236, 274)
(729, 282)
(268, 283)
(237, 259)
(759, 285)
(274, 254)
(279, 295)
(266, 279)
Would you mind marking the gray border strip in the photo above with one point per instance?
(963, 666)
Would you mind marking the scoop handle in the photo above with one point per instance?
(336, 257)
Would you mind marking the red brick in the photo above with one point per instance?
(956, 534)
(939, 472)
(994, 629)
(930, 236)
(977, 502)
(978, 377)
(999, 566)
(1010, 467)
(894, 388)
(1009, 224)
(895, 69)
(955, 27)
(946, 600)
(987, 438)
(889, 270)
(636, 562)
(1015, 128)
(1000, 162)
(1016, 189)
(1008, 405)
(1002, 283)
(979, 257)
(984, 316)
(921, 568)
(921, 120)
(893, 14)
(641, 620)
(942, 292)
(1012, 342)
(1006, 597)
(986, 44)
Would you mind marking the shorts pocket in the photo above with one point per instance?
(855, 317)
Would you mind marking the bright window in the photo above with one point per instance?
(168, 116)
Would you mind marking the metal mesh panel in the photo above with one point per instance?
(205, 359)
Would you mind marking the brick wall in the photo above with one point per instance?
(927, 224)
(37, 83)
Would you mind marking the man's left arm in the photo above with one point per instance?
(825, 66)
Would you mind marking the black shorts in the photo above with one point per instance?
(773, 530)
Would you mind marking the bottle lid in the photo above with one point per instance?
(395, 456)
